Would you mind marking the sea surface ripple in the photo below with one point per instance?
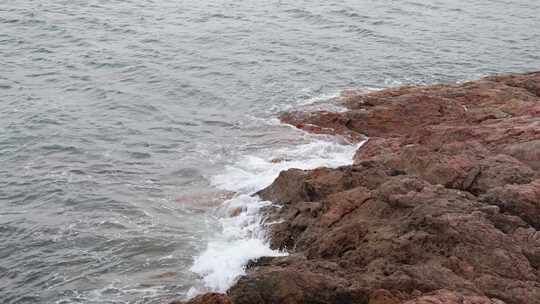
(117, 115)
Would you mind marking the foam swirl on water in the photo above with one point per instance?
(241, 239)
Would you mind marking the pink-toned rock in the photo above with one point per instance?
(528, 152)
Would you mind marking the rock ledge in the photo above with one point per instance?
(441, 205)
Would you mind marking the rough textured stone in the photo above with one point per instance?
(209, 298)
(441, 205)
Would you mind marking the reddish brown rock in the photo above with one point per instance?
(528, 152)
(381, 296)
(326, 123)
(449, 297)
(441, 204)
(209, 298)
(522, 200)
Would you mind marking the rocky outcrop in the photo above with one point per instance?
(209, 298)
(441, 205)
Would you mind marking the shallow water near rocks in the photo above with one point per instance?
(125, 125)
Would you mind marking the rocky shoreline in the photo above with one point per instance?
(441, 204)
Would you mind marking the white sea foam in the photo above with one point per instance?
(313, 102)
(319, 98)
(241, 240)
(242, 236)
(324, 102)
(254, 172)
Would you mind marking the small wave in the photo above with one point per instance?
(314, 102)
(241, 239)
(319, 98)
(242, 236)
(254, 172)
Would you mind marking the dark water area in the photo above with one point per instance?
(117, 116)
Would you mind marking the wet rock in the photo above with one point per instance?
(326, 123)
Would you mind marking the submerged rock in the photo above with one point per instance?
(441, 205)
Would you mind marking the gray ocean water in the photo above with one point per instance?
(115, 115)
